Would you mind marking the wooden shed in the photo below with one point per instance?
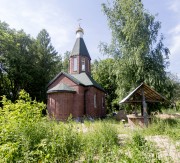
(142, 95)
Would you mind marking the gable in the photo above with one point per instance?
(63, 78)
(75, 79)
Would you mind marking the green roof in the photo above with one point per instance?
(86, 80)
(67, 75)
(61, 88)
(80, 48)
(80, 79)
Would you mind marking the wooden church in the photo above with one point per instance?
(76, 93)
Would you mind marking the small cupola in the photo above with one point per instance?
(80, 59)
(79, 32)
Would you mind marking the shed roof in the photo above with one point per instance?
(80, 48)
(61, 88)
(150, 95)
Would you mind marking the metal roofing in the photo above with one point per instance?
(150, 95)
(61, 88)
(80, 48)
(87, 80)
(80, 79)
(67, 75)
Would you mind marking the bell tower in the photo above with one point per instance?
(80, 60)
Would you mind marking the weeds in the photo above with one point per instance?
(142, 151)
(169, 127)
(25, 136)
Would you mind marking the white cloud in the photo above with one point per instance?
(175, 40)
(175, 49)
(174, 5)
(32, 16)
(174, 36)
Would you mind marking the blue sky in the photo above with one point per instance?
(60, 17)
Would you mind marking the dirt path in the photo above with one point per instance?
(167, 116)
(167, 148)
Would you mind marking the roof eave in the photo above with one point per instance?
(60, 91)
(126, 99)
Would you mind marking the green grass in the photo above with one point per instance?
(166, 127)
(49, 141)
(32, 138)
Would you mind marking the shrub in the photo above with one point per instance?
(142, 150)
(100, 142)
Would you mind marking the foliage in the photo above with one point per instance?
(22, 111)
(48, 63)
(169, 127)
(178, 106)
(107, 79)
(175, 84)
(26, 136)
(66, 61)
(15, 59)
(139, 144)
(136, 46)
(26, 63)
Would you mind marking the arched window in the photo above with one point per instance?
(102, 102)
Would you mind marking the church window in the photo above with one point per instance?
(83, 64)
(103, 102)
(88, 66)
(75, 64)
(95, 101)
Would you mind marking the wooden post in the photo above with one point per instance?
(145, 115)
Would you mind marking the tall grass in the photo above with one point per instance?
(27, 137)
(168, 127)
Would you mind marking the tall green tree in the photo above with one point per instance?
(102, 72)
(15, 59)
(65, 63)
(26, 63)
(137, 46)
(49, 63)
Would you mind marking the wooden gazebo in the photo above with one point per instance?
(143, 94)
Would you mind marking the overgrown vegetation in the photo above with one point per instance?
(27, 63)
(136, 56)
(26, 136)
(168, 127)
(137, 53)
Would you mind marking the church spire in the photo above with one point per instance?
(79, 58)
(80, 46)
